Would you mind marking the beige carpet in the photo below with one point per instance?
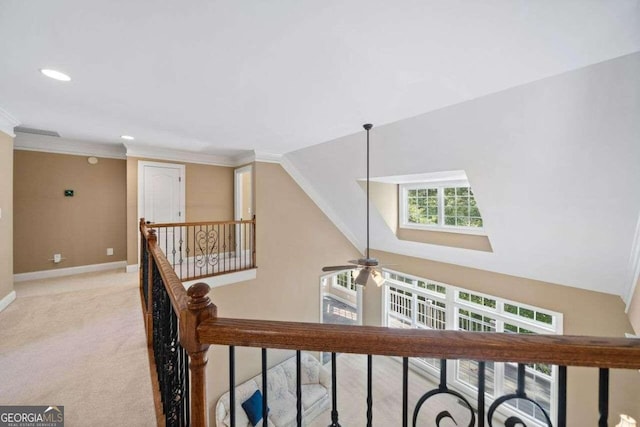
(79, 342)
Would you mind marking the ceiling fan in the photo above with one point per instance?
(367, 266)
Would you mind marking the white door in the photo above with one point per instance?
(162, 200)
(243, 204)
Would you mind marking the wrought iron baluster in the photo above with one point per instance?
(405, 391)
(442, 389)
(481, 391)
(603, 397)
(519, 394)
(562, 396)
(232, 385)
(334, 393)
(170, 358)
(265, 409)
(299, 388)
(369, 390)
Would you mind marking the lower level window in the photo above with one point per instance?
(414, 302)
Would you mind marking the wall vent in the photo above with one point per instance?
(22, 129)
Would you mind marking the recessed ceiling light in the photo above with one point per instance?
(127, 137)
(55, 74)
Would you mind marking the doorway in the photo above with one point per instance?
(161, 199)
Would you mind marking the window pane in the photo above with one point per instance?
(462, 191)
(433, 192)
(450, 220)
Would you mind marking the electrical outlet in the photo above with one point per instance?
(109, 251)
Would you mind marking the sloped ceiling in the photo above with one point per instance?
(506, 90)
(554, 165)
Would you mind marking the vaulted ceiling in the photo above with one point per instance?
(534, 100)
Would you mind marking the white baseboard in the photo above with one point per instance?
(45, 274)
(132, 268)
(4, 302)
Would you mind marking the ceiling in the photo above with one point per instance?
(494, 88)
(220, 77)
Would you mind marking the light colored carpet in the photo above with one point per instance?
(78, 341)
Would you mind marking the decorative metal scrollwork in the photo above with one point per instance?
(444, 414)
(514, 421)
(207, 248)
(519, 394)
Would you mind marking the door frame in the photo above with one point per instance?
(141, 165)
(237, 191)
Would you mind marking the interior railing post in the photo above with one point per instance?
(200, 308)
(562, 396)
(603, 397)
(232, 385)
(369, 390)
(253, 244)
(151, 242)
(334, 392)
(299, 388)
(481, 391)
(265, 408)
(405, 391)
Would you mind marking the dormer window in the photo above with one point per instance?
(443, 205)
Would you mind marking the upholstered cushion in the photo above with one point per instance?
(243, 392)
(311, 393)
(283, 408)
(253, 408)
(309, 370)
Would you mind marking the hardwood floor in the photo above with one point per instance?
(387, 396)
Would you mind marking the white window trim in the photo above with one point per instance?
(453, 303)
(334, 284)
(404, 214)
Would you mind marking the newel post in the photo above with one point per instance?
(199, 309)
(152, 239)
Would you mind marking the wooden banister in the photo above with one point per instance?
(502, 347)
(203, 223)
(191, 307)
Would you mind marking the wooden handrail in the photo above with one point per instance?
(192, 307)
(173, 284)
(187, 224)
(500, 347)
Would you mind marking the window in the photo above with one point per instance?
(450, 205)
(414, 302)
(345, 281)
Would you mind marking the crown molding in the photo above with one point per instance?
(49, 144)
(179, 156)
(258, 156)
(7, 122)
(261, 156)
(325, 207)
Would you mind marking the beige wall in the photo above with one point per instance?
(385, 199)
(585, 313)
(634, 309)
(208, 197)
(294, 240)
(80, 228)
(6, 222)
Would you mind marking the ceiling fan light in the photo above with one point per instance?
(377, 277)
(363, 277)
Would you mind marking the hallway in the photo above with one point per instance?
(78, 342)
